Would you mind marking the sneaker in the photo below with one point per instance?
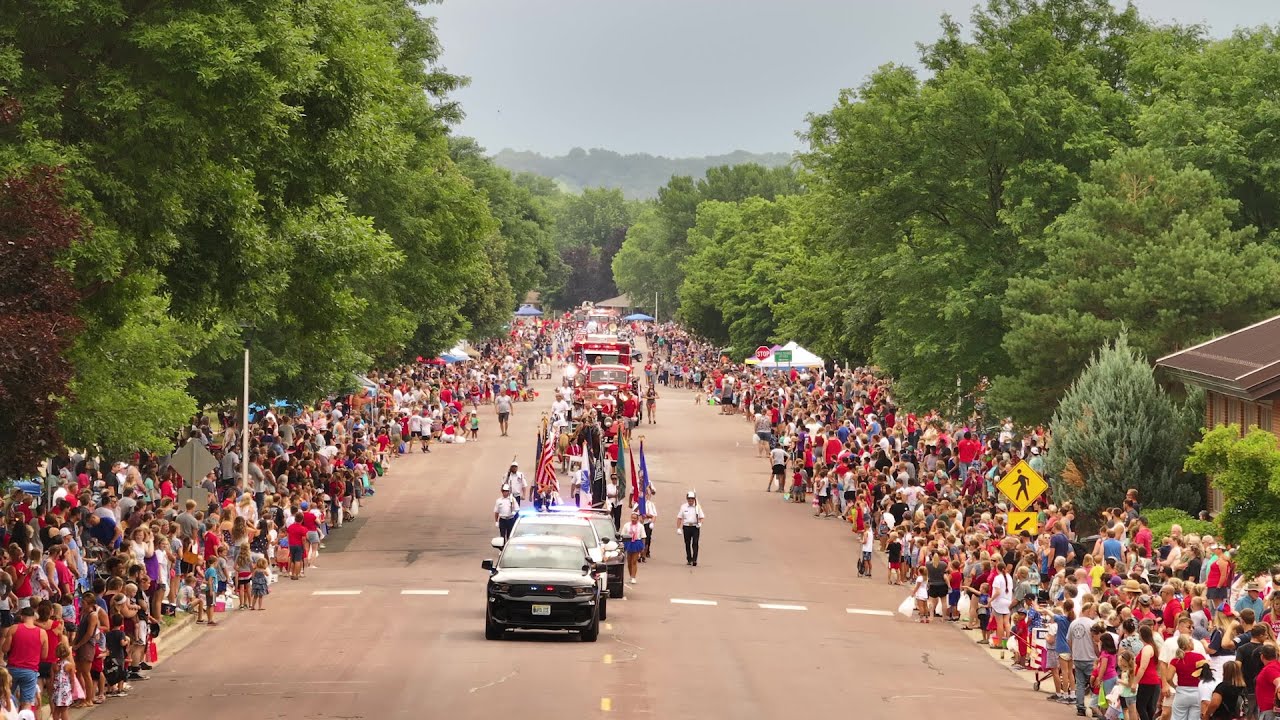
(144, 666)
(633, 581)
(1017, 667)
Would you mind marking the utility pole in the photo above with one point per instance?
(244, 410)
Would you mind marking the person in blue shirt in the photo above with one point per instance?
(1062, 675)
(1112, 548)
(1252, 598)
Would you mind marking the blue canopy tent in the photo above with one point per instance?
(638, 317)
(528, 311)
(452, 357)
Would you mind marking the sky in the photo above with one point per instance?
(696, 77)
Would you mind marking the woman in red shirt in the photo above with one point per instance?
(1185, 672)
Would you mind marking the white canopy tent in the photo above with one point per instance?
(800, 358)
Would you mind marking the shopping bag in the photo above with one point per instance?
(963, 605)
(153, 653)
(77, 690)
(908, 606)
(355, 507)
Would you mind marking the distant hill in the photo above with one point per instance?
(639, 176)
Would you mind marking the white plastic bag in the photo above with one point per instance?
(908, 606)
(963, 605)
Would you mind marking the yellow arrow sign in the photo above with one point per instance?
(1023, 522)
(1022, 485)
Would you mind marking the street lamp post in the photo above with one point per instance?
(244, 410)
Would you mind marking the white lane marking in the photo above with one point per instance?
(424, 592)
(877, 613)
(771, 606)
(304, 683)
(685, 601)
(336, 592)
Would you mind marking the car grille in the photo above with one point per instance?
(567, 613)
(530, 590)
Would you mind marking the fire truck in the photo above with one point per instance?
(598, 385)
(591, 350)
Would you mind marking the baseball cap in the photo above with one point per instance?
(506, 488)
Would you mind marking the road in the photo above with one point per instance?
(391, 623)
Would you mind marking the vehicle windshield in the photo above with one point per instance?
(530, 555)
(602, 357)
(573, 530)
(614, 376)
(604, 526)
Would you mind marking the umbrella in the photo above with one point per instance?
(528, 311)
(30, 487)
(638, 317)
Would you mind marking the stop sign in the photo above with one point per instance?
(762, 353)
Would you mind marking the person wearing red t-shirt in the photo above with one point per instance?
(1172, 609)
(1143, 538)
(211, 542)
(21, 575)
(1267, 685)
(967, 451)
(297, 534)
(832, 451)
(1183, 673)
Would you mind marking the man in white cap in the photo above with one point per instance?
(504, 512)
(689, 523)
(515, 482)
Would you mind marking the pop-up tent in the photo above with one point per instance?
(800, 358)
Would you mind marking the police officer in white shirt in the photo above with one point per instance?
(515, 482)
(504, 512)
(689, 523)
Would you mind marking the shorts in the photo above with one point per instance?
(937, 591)
(46, 669)
(1217, 593)
(313, 536)
(779, 469)
(953, 598)
(866, 556)
(502, 417)
(295, 553)
(415, 433)
(26, 685)
(242, 582)
(1051, 662)
(895, 565)
(764, 435)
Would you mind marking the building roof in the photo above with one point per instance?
(622, 301)
(1244, 363)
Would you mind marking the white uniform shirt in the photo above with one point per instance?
(651, 511)
(505, 507)
(691, 514)
(517, 483)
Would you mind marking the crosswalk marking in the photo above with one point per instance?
(685, 601)
(771, 606)
(860, 611)
(424, 592)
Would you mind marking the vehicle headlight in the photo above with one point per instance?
(584, 591)
(500, 587)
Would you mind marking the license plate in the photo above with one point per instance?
(541, 609)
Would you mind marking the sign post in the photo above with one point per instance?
(783, 356)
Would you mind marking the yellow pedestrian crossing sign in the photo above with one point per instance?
(1023, 522)
(1022, 485)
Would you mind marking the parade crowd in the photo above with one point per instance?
(91, 572)
(1124, 624)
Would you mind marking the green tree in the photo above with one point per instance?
(659, 242)
(589, 230)
(1212, 104)
(1247, 471)
(284, 165)
(1116, 429)
(941, 189)
(1147, 246)
(738, 271)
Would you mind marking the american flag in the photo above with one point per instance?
(545, 474)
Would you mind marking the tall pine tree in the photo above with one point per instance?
(1116, 429)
